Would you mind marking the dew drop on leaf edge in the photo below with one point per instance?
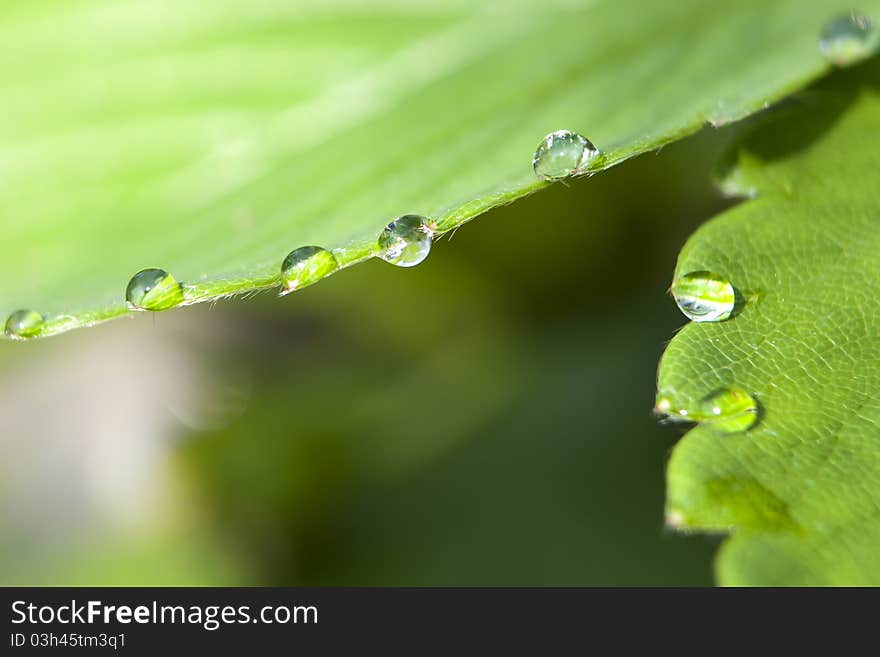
(729, 410)
(704, 296)
(563, 154)
(23, 324)
(406, 241)
(306, 265)
(153, 289)
(848, 39)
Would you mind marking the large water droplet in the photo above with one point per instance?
(704, 297)
(849, 39)
(306, 265)
(729, 410)
(563, 154)
(406, 241)
(24, 324)
(153, 289)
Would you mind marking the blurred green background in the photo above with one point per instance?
(482, 419)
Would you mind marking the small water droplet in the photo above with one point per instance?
(849, 39)
(153, 289)
(563, 154)
(23, 324)
(704, 296)
(306, 265)
(729, 410)
(406, 241)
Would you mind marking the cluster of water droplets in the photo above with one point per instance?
(704, 296)
(406, 241)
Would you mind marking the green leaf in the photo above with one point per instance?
(800, 491)
(211, 138)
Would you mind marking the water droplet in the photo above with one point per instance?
(406, 241)
(153, 289)
(729, 410)
(849, 39)
(24, 324)
(704, 297)
(306, 265)
(563, 154)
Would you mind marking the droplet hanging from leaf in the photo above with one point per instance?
(23, 324)
(306, 265)
(153, 289)
(406, 241)
(563, 154)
